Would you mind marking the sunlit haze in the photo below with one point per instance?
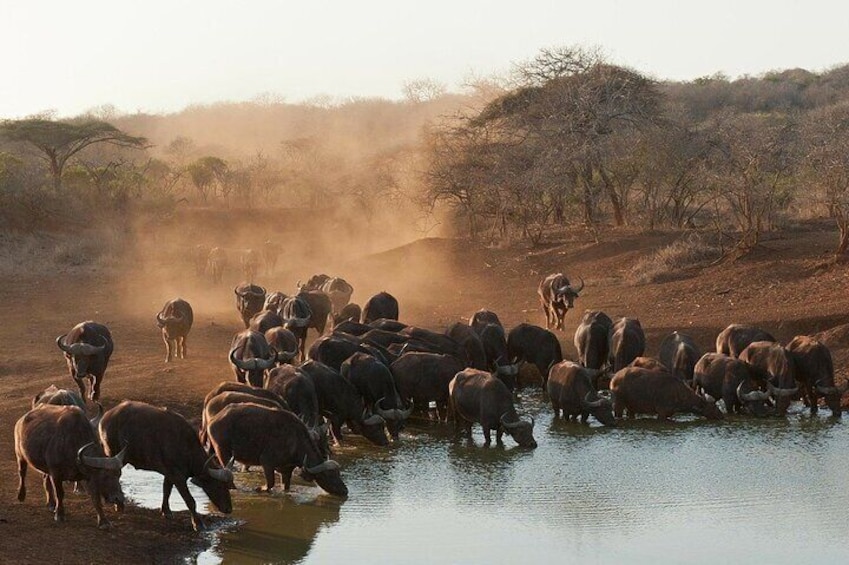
(160, 56)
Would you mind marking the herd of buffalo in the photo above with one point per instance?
(370, 373)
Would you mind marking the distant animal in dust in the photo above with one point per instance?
(557, 296)
(175, 320)
(200, 256)
(216, 264)
(381, 305)
(270, 252)
(250, 261)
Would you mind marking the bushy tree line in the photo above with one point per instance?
(578, 140)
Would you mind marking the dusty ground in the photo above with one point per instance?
(782, 287)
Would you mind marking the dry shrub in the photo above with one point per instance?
(672, 261)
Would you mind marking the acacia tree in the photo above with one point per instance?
(58, 141)
(205, 172)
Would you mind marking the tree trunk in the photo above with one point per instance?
(618, 216)
(843, 243)
(56, 172)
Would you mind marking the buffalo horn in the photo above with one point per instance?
(241, 364)
(593, 403)
(752, 396)
(827, 390)
(782, 392)
(223, 475)
(372, 420)
(324, 466)
(96, 420)
(160, 321)
(60, 341)
(394, 413)
(112, 463)
(512, 425)
(580, 288)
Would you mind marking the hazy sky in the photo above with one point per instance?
(162, 55)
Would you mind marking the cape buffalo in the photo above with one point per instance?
(250, 299)
(679, 353)
(87, 348)
(264, 320)
(59, 397)
(592, 339)
(175, 320)
(283, 342)
(339, 292)
(250, 261)
(216, 264)
(59, 442)
(297, 316)
(349, 313)
(320, 309)
(649, 391)
(340, 401)
(557, 296)
(251, 357)
(270, 253)
(381, 305)
(571, 389)
(218, 402)
(498, 359)
(388, 324)
(298, 389)
(483, 317)
(815, 370)
(736, 337)
(422, 378)
(532, 344)
(627, 342)
(275, 439)
(776, 361)
(274, 302)
(160, 440)
(477, 396)
(373, 380)
(736, 382)
(470, 341)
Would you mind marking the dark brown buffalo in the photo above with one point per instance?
(200, 254)
(740, 386)
(59, 442)
(815, 371)
(230, 386)
(627, 342)
(557, 296)
(648, 391)
(374, 381)
(278, 441)
(422, 378)
(160, 440)
(352, 327)
(736, 337)
(299, 391)
(274, 302)
(470, 341)
(87, 348)
(648, 363)
(175, 320)
(315, 282)
(251, 357)
(383, 338)
(284, 344)
(481, 318)
(264, 320)
(679, 353)
(58, 397)
(592, 339)
(571, 389)
(332, 350)
(441, 342)
(349, 313)
(532, 344)
(339, 292)
(321, 309)
(340, 401)
(297, 317)
(477, 396)
(216, 404)
(250, 299)
(381, 305)
(777, 363)
(498, 359)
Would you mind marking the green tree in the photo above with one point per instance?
(58, 141)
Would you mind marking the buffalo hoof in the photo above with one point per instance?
(167, 514)
(119, 507)
(59, 517)
(198, 525)
(51, 506)
(104, 524)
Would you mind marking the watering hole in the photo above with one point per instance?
(752, 490)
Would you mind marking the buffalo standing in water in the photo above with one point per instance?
(648, 391)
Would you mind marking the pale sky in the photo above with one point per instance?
(161, 55)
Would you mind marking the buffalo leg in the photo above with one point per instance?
(168, 350)
(81, 385)
(59, 494)
(499, 433)
(286, 474)
(183, 489)
(102, 521)
(165, 509)
(48, 493)
(486, 436)
(268, 471)
(584, 417)
(182, 347)
(22, 475)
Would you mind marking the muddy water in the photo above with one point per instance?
(747, 491)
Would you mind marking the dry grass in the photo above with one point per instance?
(673, 261)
